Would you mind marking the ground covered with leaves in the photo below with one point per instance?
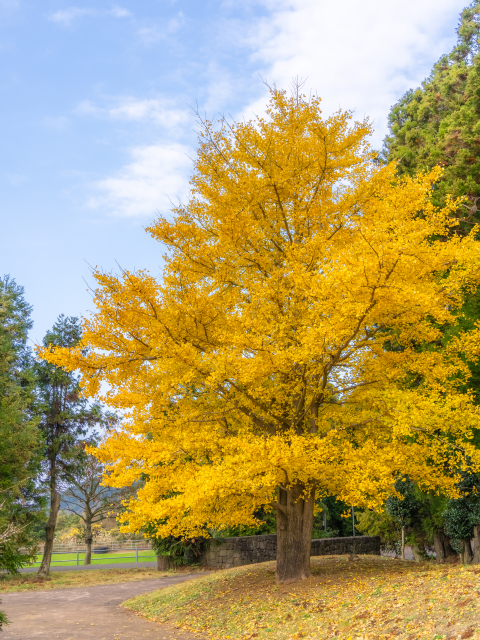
(71, 579)
(367, 599)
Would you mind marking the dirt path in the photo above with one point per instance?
(88, 613)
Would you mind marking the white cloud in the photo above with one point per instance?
(156, 110)
(9, 5)
(119, 12)
(65, 17)
(150, 35)
(157, 175)
(221, 88)
(176, 23)
(16, 179)
(360, 55)
(60, 123)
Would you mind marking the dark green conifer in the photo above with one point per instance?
(439, 123)
(20, 439)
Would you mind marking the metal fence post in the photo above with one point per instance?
(78, 554)
(136, 554)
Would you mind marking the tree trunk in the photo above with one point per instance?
(164, 563)
(294, 534)
(419, 553)
(449, 550)
(88, 543)
(50, 532)
(476, 553)
(443, 548)
(467, 552)
(403, 543)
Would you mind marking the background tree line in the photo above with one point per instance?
(439, 124)
(45, 425)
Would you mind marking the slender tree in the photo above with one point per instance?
(66, 418)
(88, 498)
(257, 374)
(403, 507)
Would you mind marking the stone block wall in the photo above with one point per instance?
(236, 552)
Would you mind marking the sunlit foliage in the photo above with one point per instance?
(294, 339)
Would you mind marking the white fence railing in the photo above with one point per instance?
(111, 545)
(58, 557)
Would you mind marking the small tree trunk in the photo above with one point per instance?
(419, 552)
(44, 569)
(476, 553)
(403, 543)
(294, 534)
(443, 548)
(88, 544)
(449, 550)
(164, 563)
(467, 552)
(439, 544)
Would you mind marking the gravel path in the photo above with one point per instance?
(88, 613)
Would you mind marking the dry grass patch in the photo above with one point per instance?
(369, 599)
(71, 579)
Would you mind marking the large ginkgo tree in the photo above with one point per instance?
(292, 347)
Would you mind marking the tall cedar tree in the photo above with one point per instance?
(20, 500)
(256, 374)
(439, 124)
(66, 418)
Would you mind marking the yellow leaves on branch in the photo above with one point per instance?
(294, 337)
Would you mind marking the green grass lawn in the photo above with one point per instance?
(112, 557)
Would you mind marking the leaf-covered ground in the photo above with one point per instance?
(72, 579)
(367, 599)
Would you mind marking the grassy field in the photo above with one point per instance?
(71, 579)
(369, 599)
(113, 557)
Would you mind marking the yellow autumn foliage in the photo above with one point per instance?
(295, 339)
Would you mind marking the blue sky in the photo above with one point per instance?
(96, 120)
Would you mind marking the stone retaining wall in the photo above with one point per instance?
(236, 552)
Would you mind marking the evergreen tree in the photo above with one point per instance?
(65, 420)
(439, 123)
(462, 517)
(20, 500)
(403, 508)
